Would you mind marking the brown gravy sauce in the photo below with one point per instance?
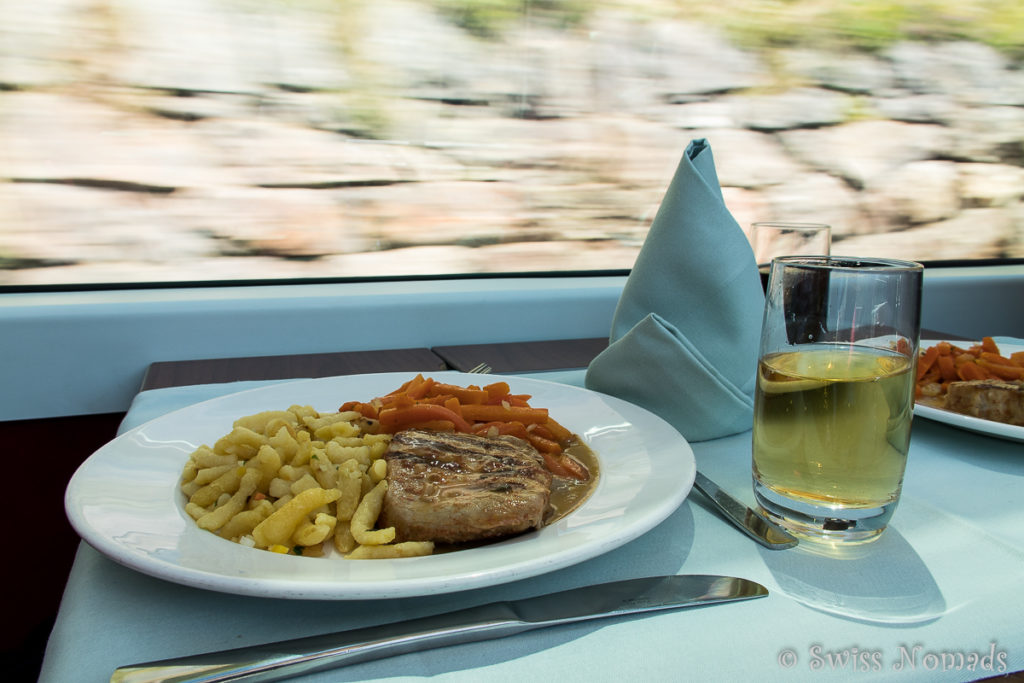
(568, 494)
(932, 401)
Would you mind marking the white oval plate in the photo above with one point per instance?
(125, 502)
(969, 422)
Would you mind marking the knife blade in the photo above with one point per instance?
(752, 523)
(277, 661)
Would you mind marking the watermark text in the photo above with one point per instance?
(905, 657)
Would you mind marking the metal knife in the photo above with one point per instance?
(750, 522)
(277, 661)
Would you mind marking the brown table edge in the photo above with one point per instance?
(165, 374)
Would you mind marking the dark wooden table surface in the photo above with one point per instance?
(218, 370)
(530, 356)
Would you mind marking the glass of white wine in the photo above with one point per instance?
(835, 394)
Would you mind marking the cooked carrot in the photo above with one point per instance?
(1001, 370)
(926, 361)
(406, 385)
(554, 465)
(491, 413)
(947, 370)
(989, 345)
(395, 419)
(519, 400)
(420, 389)
(432, 426)
(564, 466)
(543, 445)
(969, 371)
(497, 389)
(399, 401)
(542, 431)
(465, 395)
(996, 358)
(367, 410)
(560, 433)
(517, 429)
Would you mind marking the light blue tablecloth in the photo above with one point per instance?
(937, 598)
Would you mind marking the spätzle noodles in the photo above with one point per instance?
(294, 481)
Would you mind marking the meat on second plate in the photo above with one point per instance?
(998, 400)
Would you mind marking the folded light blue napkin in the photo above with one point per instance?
(685, 334)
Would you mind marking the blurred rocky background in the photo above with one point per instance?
(146, 140)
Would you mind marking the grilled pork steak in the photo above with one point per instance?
(454, 488)
(990, 399)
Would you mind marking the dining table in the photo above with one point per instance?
(938, 597)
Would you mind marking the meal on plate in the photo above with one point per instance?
(977, 380)
(428, 466)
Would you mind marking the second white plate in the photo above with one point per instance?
(968, 422)
(125, 502)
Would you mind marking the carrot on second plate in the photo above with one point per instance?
(969, 371)
(1000, 370)
(926, 361)
(996, 358)
(947, 369)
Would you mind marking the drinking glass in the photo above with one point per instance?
(835, 394)
(771, 239)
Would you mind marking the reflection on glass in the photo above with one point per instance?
(771, 239)
(216, 139)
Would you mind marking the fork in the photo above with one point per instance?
(480, 369)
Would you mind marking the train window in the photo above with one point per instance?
(160, 141)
